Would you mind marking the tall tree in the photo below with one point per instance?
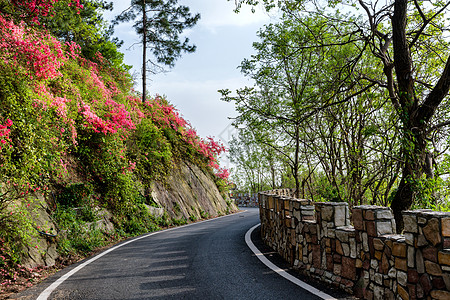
(288, 84)
(159, 23)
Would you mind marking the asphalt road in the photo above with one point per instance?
(206, 260)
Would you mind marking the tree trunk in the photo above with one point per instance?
(296, 161)
(144, 52)
(414, 156)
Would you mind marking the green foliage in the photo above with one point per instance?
(77, 231)
(151, 150)
(17, 229)
(204, 214)
(87, 28)
(75, 195)
(179, 222)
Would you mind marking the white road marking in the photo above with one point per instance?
(280, 271)
(46, 293)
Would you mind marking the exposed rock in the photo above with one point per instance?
(189, 191)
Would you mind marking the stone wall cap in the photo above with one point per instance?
(427, 213)
(331, 203)
(393, 237)
(309, 221)
(372, 207)
(347, 228)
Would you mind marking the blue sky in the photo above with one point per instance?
(223, 39)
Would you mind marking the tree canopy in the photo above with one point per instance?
(379, 91)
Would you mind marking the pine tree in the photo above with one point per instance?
(159, 23)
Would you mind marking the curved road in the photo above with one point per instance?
(205, 260)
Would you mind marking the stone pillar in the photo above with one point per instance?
(427, 236)
(381, 250)
(330, 215)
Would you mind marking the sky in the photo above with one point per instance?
(223, 39)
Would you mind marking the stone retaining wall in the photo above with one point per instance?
(367, 259)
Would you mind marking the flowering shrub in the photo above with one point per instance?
(33, 9)
(167, 117)
(36, 55)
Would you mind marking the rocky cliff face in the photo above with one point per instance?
(189, 193)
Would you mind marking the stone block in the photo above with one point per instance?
(378, 244)
(337, 258)
(337, 269)
(399, 249)
(446, 243)
(342, 235)
(444, 257)
(446, 278)
(330, 264)
(438, 283)
(353, 249)
(359, 263)
(339, 248)
(326, 212)
(446, 227)
(402, 293)
(432, 232)
(348, 268)
(401, 264)
(440, 295)
(374, 264)
(421, 220)
(369, 215)
(433, 268)
(378, 278)
(341, 215)
(409, 239)
(378, 255)
(345, 249)
(331, 233)
(365, 242)
(357, 219)
(420, 262)
(402, 278)
(385, 228)
(370, 228)
(425, 282)
(384, 266)
(430, 253)
(411, 257)
(421, 241)
(385, 213)
(412, 291)
(410, 223)
(419, 291)
(413, 276)
(392, 273)
(316, 256)
(389, 294)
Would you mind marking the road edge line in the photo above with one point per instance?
(46, 293)
(280, 271)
